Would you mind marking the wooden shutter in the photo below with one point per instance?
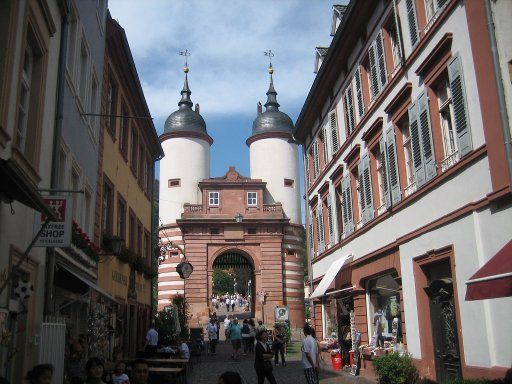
(381, 62)
(359, 93)
(394, 181)
(310, 231)
(413, 24)
(385, 174)
(326, 145)
(417, 157)
(316, 165)
(429, 161)
(320, 226)
(362, 200)
(334, 132)
(306, 170)
(349, 110)
(330, 220)
(374, 80)
(368, 190)
(398, 30)
(348, 218)
(460, 109)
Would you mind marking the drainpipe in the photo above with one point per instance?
(50, 252)
(499, 86)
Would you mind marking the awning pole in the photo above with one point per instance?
(25, 255)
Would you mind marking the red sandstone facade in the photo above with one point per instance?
(265, 237)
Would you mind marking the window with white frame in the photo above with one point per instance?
(72, 41)
(75, 186)
(20, 139)
(213, 198)
(348, 102)
(94, 104)
(446, 115)
(252, 198)
(377, 74)
(62, 169)
(432, 10)
(381, 177)
(87, 211)
(409, 167)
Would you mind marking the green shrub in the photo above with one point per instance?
(395, 369)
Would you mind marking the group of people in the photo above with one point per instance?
(231, 301)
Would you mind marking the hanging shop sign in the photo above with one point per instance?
(56, 233)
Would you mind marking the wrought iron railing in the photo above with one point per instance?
(450, 161)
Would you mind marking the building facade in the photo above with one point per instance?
(231, 221)
(128, 149)
(408, 185)
(30, 33)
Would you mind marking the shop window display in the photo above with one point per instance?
(385, 323)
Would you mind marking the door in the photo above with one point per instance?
(444, 329)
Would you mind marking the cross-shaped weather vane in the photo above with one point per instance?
(185, 53)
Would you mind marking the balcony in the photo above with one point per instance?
(265, 211)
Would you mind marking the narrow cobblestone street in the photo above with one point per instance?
(208, 368)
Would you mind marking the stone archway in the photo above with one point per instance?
(239, 266)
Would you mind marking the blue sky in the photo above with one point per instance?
(228, 70)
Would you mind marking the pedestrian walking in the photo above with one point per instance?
(151, 341)
(212, 330)
(233, 305)
(309, 356)
(228, 304)
(252, 335)
(40, 374)
(94, 369)
(278, 345)
(235, 336)
(227, 322)
(245, 336)
(263, 360)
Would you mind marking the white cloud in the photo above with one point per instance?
(227, 39)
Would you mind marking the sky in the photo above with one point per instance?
(228, 69)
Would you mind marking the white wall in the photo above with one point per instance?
(273, 160)
(187, 159)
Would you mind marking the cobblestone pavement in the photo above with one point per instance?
(208, 368)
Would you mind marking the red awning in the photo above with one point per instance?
(494, 279)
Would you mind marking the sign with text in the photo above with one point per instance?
(57, 233)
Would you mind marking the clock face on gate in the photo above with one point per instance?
(187, 269)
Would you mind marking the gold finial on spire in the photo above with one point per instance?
(185, 53)
(270, 55)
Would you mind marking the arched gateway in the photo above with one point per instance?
(220, 219)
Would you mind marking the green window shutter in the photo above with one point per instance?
(306, 170)
(381, 60)
(348, 217)
(326, 145)
(330, 220)
(362, 199)
(349, 110)
(320, 218)
(413, 24)
(385, 173)
(398, 33)
(334, 132)
(316, 165)
(429, 161)
(460, 109)
(310, 231)
(374, 78)
(394, 180)
(417, 155)
(359, 93)
(368, 190)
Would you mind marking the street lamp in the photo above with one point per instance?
(184, 268)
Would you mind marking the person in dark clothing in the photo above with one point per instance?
(263, 360)
(230, 377)
(278, 345)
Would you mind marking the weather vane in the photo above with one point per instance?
(270, 55)
(185, 53)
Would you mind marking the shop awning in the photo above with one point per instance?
(494, 279)
(15, 186)
(329, 276)
(87, 282)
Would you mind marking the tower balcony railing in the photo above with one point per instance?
(267, 210)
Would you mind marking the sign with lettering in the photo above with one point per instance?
(57, 233)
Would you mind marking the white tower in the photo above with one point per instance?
(186, 145)
(274, 155)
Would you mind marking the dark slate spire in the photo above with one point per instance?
(271, 104)
(185, 101)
